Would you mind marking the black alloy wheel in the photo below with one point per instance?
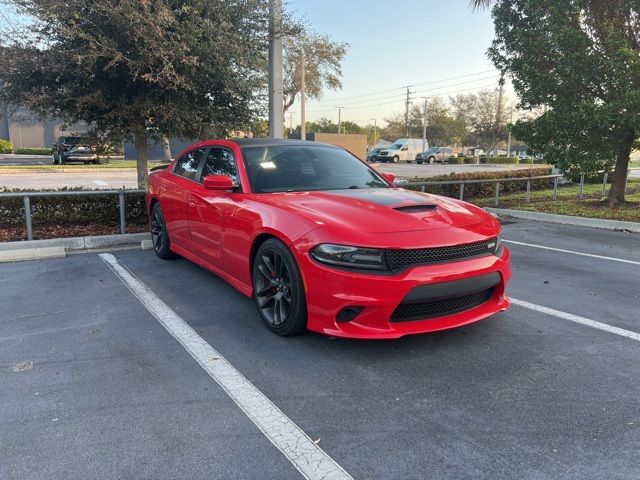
(159, 234)
(278, 289)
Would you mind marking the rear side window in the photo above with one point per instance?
(187, 165)
(220, 161)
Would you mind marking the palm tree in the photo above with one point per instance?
(480, 4)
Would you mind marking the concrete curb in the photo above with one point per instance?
(32, 254)
(78, 243)
(567, 219)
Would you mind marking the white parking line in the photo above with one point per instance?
(622, 260)
(307, 457)
(577, 319)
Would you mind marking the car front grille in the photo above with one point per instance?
(439, 308)
(401, 259)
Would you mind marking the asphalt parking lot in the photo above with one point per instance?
(93, 386)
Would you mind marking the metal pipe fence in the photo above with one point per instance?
(27, 196)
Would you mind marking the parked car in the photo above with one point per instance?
(403, 149)
(322, 241)
(435, 154)
(372, 155)
(74, 149)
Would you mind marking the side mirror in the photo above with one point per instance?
(389, 177)
(217, 182)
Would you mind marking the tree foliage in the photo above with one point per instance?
(323, 65)
(580, 60)
(139, 68)
(485, 125)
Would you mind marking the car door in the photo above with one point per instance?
(208, 208)
(174, 193)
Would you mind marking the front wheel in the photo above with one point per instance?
(374, 159)
(278, 290)
(419, 162)
(431, 160)
(159, 234)
(396, 159)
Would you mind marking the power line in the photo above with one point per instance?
(405, 86)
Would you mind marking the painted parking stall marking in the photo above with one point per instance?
(307, 457)
(562, 250)
(577, 319)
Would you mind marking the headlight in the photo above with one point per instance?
(353, 257)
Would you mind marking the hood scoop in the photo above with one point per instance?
(418, 208)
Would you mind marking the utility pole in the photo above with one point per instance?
(499, 112)
(375, 130)
(303, 100)
(339, 118)
(510, 122)
(276, 98)
(406, 112)
(424, 125)
(291, 112)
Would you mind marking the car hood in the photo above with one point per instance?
(378, 210)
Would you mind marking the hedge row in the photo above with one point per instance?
(33, 151)
(6, 146)
(78, 210)
(477, 190)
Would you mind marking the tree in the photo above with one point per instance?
(139, 69)
(579, 60)
(323, 65)
(485, 125)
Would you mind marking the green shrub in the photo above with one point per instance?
(527, 160)
(455, 160)
(470, 160)
(460, 155)
(6, 146)
(500, 160)
(478, 190)
(77, 210)
(33, 151)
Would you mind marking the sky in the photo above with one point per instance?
(398, 43)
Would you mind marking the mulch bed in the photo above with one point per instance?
(10, 233)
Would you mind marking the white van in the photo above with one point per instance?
(403, 149)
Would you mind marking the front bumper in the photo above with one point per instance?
(330, 290)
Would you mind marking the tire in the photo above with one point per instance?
(278, 290)
(419, 162)
(159, 234)
(409, 161)
(396, 159)
(432, 160)
(374, 159)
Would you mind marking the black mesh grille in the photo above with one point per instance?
(416, 208)
(440, 308)
(401, 259)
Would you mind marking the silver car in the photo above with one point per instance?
(435, 154)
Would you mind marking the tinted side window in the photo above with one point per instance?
(187, 165)
(220, 161)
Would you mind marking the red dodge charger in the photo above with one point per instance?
(321, 241)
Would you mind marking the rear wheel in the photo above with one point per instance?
(278, 290)
(159, 234)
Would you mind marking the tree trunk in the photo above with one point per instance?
(140, 140)
(619, 175)
(166, 149)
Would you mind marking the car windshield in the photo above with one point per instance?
(431, 150)
(296, 168)
(395, 146)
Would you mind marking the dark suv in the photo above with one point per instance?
(74, 149)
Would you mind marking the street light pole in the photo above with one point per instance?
(339, 118)
(276, 97)
(303, 100)
(510, 122)
(424, 125)
(375, 130)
